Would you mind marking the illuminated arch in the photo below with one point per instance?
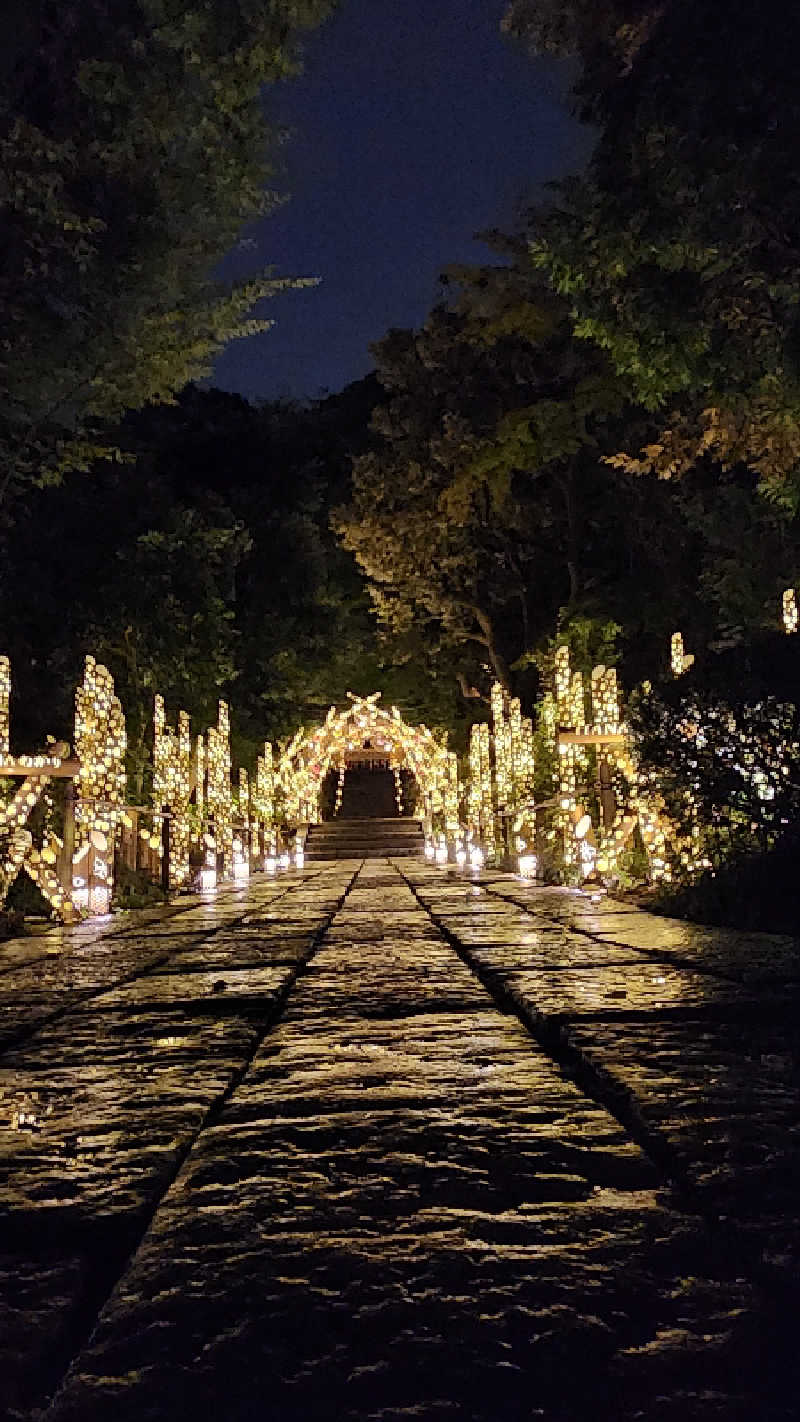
(309, 756)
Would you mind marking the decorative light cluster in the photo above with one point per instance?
(452, 794)
(569, 709)
(5, 701)
(199, 775)
(304, 763)
(501, 771)
(501, 740)
(17, 850)
(680, 660)
(262, 800)
(100, 745)
(480, 807)
(791, 620)
(219, 799)
(398, 787)
(172, 788)
(605, 700)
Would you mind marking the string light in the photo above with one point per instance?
(790, 624)
(172, 788)
(680, 660)
(305, 761)
(100, 745)
(5, 702)
(219, 800)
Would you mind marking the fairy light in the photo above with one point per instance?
(569, 707)
(451, 795)
(605, 700)
(262, 798)
(305, 761)
(199, 775)
(172, 788)
(501, 737)
(219, 800)
(5, 703)
(245, 807)
(337, 804)
(680, 660)
(100, 745)
(790, 624)
(398, 787)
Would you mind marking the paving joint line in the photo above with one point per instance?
(84, 1328)
(661, 955)
(603, 1087)
(80, 1000)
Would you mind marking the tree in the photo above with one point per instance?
(484, 515)
(133, 152)
(678, 251)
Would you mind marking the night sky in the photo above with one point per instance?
(415, 125)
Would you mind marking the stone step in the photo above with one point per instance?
(365, 838)
(365, 851)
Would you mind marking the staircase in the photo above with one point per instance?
(365, 839)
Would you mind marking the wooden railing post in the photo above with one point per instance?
(65, 867)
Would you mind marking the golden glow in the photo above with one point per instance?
(5, 700)
(305, 761)
(172, 788)
(680, 661)
(790, 624)
(219, 798)
(100, 745)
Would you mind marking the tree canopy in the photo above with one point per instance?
(134, 151)
(678, 250)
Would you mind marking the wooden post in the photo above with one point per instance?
(608, 805)
(65, 868)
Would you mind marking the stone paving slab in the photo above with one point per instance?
(406, 1219)
(749, 957)
(627, 987)
(94, 1116)
(392, 1203)
(231, 952)
(198, 987)
(551, 954)
(728, 1107)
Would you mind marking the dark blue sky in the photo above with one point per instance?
(416, 125)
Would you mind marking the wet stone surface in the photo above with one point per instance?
(385, 1141)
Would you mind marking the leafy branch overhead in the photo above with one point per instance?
(677, 251)
(133, 151)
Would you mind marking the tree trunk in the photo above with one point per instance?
(500, 666)
(565, 484)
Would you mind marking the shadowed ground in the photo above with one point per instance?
(379, 1141)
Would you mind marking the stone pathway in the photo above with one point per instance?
(384, 1141)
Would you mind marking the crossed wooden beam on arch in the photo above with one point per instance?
(17, 850)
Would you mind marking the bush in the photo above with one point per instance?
(721, 744)
(135, 889)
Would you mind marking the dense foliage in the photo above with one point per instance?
(133, 152)
(211, 573)
(678, 250)
(721, 745)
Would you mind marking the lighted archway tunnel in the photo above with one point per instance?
(366, 731)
